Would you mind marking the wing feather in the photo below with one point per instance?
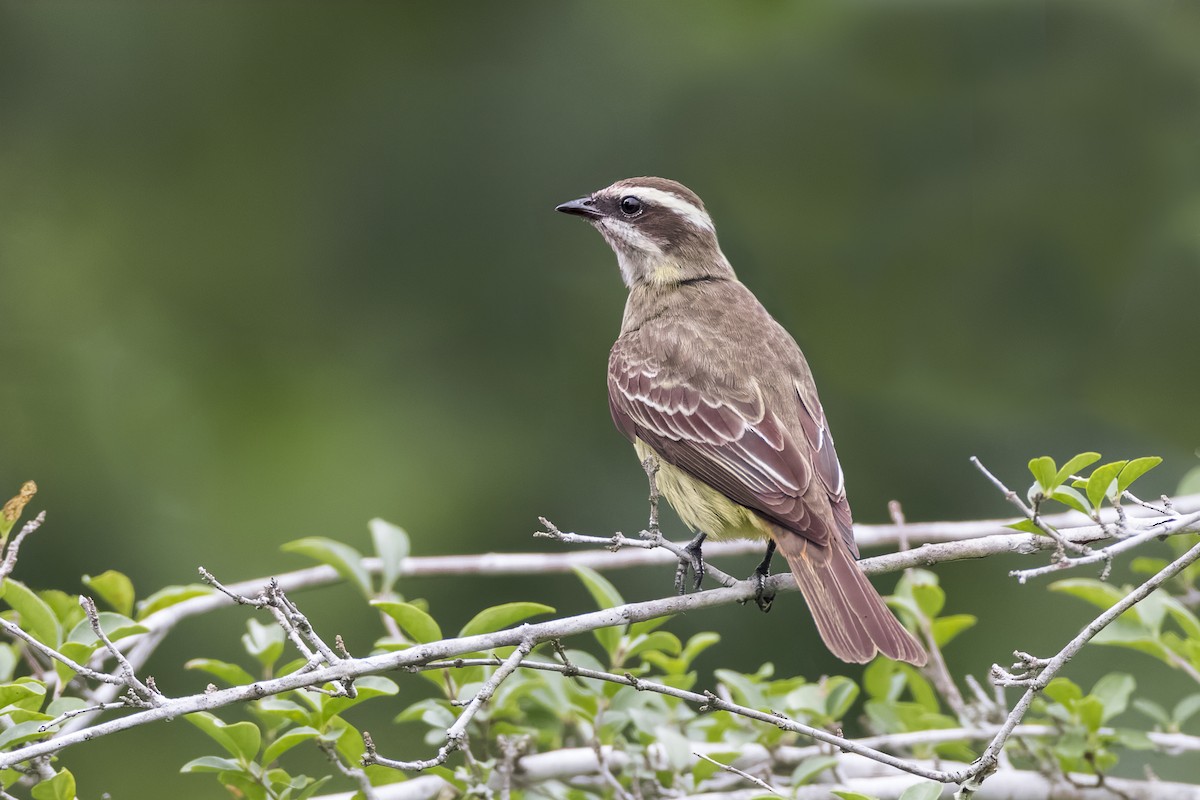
(735, 444)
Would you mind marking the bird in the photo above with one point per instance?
(706, 382)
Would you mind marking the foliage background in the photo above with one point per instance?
(270, 270)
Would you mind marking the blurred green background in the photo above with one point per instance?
(271, 270)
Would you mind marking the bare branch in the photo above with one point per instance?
(1154, 530)
(867, 536)
(10, 553)
(456, 734)
(735, 771)
(1039, 672)
(17, 633)
(142, 693)
(355, 774)
(925, 555)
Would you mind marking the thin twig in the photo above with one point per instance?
(1157, 529)
(735, 771)
(456, 733)
(236, 596)
(10, 554)
(145, 693)
(613, 543)
(66, 715)
(356, 774)
(17, 633)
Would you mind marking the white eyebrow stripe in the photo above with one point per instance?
(674, 202)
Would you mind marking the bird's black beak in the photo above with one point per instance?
(583, 207)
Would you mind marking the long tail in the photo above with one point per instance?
(851, 617)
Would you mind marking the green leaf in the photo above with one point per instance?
(1072, 499)
(392, 546)
(1153, 710)
(697, 645)
(930, 597)
(606, 596)
(848, 795)
(1098, 593)
(22, 692)
(287, 741)
(1113, 691)
(882, 680)
(946, 628)
(210, 764)
(169, 596)
(501, 616)
(1072, 744)
(603, 592)
(277, 710)
(342, 557)
(1064, 691)
(742, 687)
(1102, 480)
(1185, 709)
(367, 687)
(114, 588)
(415, 622)
(1091, 712)
(1182, 615)
(264, 642)
(842, 692)
(22, 732)
(810, 768)
(1043, 470)
(242, 785)
(37, 618)
(231, 674)
(1190, 482)
(1074, 465)
(115, 626)
(240, 739)
(1136, 469)
(1134, 739)
(60, 787)
(1026, 526)
(926, 790)
(659, 641)
(65, 607)
(648, 625)
(77, 652)
(61, 705)
(1144, 565)
(316, 785)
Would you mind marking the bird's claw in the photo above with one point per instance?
(692, 560)
(762, 598)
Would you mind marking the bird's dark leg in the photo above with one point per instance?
(762, 598)
(692, 559)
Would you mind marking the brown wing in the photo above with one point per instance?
(726, 436)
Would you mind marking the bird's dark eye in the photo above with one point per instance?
(631, 206)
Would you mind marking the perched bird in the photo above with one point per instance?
(705, 380)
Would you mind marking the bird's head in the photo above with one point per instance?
(658, 228)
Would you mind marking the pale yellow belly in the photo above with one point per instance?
(701, 507)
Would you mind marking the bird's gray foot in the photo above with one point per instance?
(692, 560)
(762, 598)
